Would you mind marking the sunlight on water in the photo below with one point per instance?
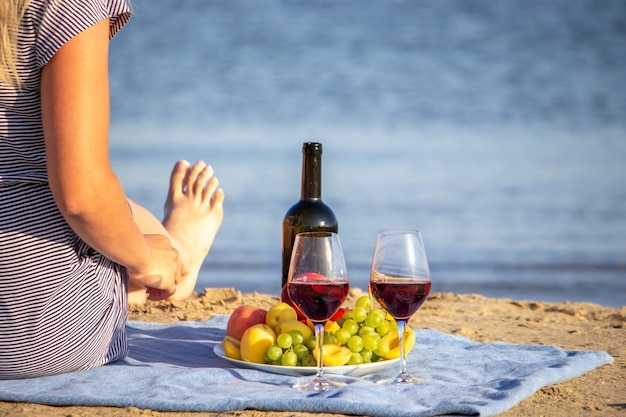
(501, 140)
(522, 213)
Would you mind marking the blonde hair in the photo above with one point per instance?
(11, 14)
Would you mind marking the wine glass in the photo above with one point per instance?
(317, 283)
(400, 281)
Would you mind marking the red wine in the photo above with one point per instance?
(401, 298)
(310, 213)
(318, 299)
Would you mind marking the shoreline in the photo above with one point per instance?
(567, 325)
(486, 281)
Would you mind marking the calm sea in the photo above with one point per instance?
(497, 128)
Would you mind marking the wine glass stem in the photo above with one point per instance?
(319, 338)
(401, 326)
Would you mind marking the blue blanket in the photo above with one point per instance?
(173, 368)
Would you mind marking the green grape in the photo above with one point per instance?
(366, 330)
(364, 301)
(309, 360)
(311, 343)
(284, 340)
(382, 349)
(289, 359)
(347, 315)
(342, 336)
(300, 351)
(374, 318)
(351, 326)
(329, 338)
(355, 343)
(274, 353)
(296, 337)
(383, 328)
(355, 359)
(366, 355)
(371, 341)
(359, 314)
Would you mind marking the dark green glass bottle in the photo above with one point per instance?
(310, 213)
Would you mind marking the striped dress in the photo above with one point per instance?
(62, 305)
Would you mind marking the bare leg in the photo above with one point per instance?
(193, 216)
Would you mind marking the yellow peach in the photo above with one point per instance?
(331, 327)
(231, 347)
(289, 325)
(278, 313)
(255, 341)
(392, 342)
(333, 354)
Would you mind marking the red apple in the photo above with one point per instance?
(242, 318)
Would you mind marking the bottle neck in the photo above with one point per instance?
(311, 176)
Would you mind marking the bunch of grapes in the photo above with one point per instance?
(361, 330)
(291, 350)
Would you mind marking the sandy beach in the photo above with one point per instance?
(571, 326)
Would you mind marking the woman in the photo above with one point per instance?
(71, 243)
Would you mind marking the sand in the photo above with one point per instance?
(572, 326)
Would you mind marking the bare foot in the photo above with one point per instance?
(193, 216)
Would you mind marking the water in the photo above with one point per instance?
(496, 128)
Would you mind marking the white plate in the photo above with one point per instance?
(348, 370)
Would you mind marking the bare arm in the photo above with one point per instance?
(75, 112)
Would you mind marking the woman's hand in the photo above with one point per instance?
(163, 272)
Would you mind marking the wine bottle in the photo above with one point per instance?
(310, 213)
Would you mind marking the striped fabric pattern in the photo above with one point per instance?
(62, 305)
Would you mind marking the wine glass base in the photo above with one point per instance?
(402, 378)
(317, 385)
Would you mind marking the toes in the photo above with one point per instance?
(197, 177)
(179, 177)
(197, 180)
(218, 197)
(204, 180)
(209, 191)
